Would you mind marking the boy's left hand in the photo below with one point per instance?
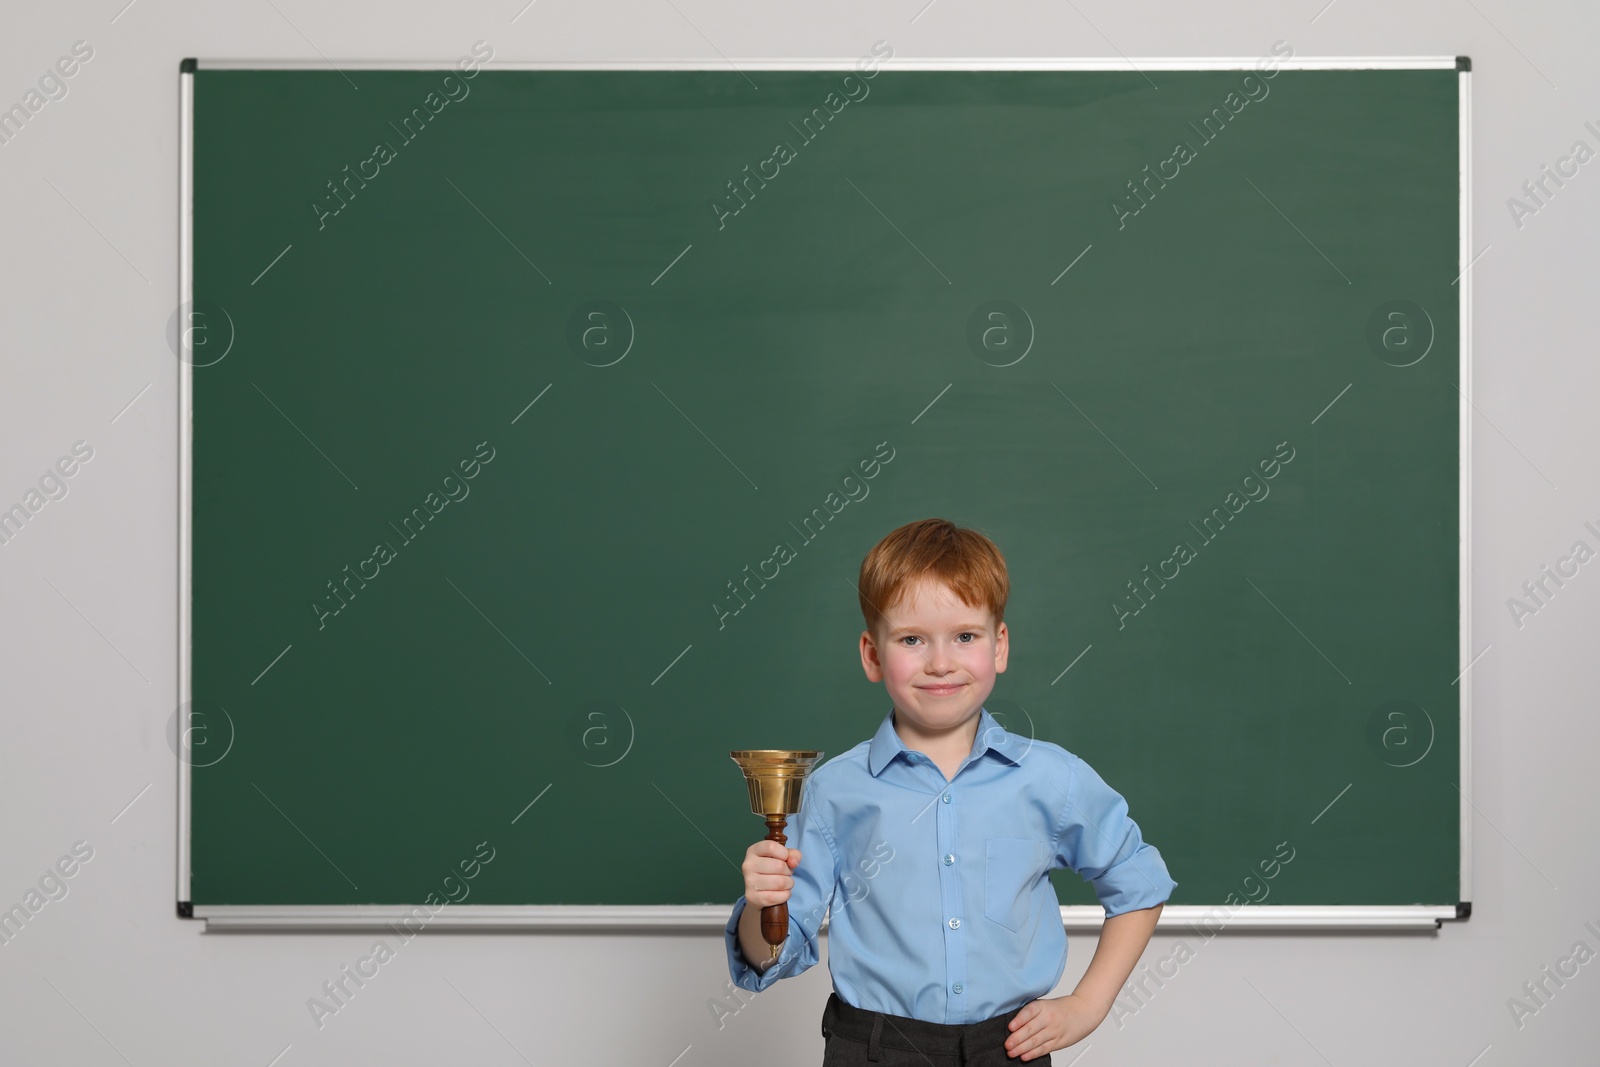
(1043, 1026)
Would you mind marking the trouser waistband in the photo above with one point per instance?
(879, 1029)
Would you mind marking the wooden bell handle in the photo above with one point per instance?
(775, 917)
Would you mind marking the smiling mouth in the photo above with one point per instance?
(941, 690)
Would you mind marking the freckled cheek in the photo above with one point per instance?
(979, 662)
(903, 668)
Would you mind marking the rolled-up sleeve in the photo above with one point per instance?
(809, 900)
(1097, 839)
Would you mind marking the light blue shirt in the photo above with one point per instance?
(938, 891)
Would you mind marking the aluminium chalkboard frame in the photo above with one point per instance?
(1286, 917)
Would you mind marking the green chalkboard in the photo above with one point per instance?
(497, 426)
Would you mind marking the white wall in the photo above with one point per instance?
(88, 273)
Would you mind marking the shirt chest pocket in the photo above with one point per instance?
(1012, 866)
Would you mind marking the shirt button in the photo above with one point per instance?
(948, 859)
(958, 987)
(946, 798)
(955, 924)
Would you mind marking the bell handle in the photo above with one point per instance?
(775, 917)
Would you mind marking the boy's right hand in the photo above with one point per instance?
(766, 868)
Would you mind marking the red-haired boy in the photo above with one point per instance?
(930, 845)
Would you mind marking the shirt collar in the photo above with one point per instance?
(990, 737)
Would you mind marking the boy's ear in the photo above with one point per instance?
(869, 658)
(1002, 648)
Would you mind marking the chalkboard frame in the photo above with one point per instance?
(564, 917)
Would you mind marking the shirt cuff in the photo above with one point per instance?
(746, 976)
(1140, 881)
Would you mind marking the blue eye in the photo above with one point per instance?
(971, 635)
(909, 638)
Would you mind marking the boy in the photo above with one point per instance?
(941, 831)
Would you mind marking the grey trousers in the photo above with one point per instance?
(858, 1038)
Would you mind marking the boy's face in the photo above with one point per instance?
(936, 655)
